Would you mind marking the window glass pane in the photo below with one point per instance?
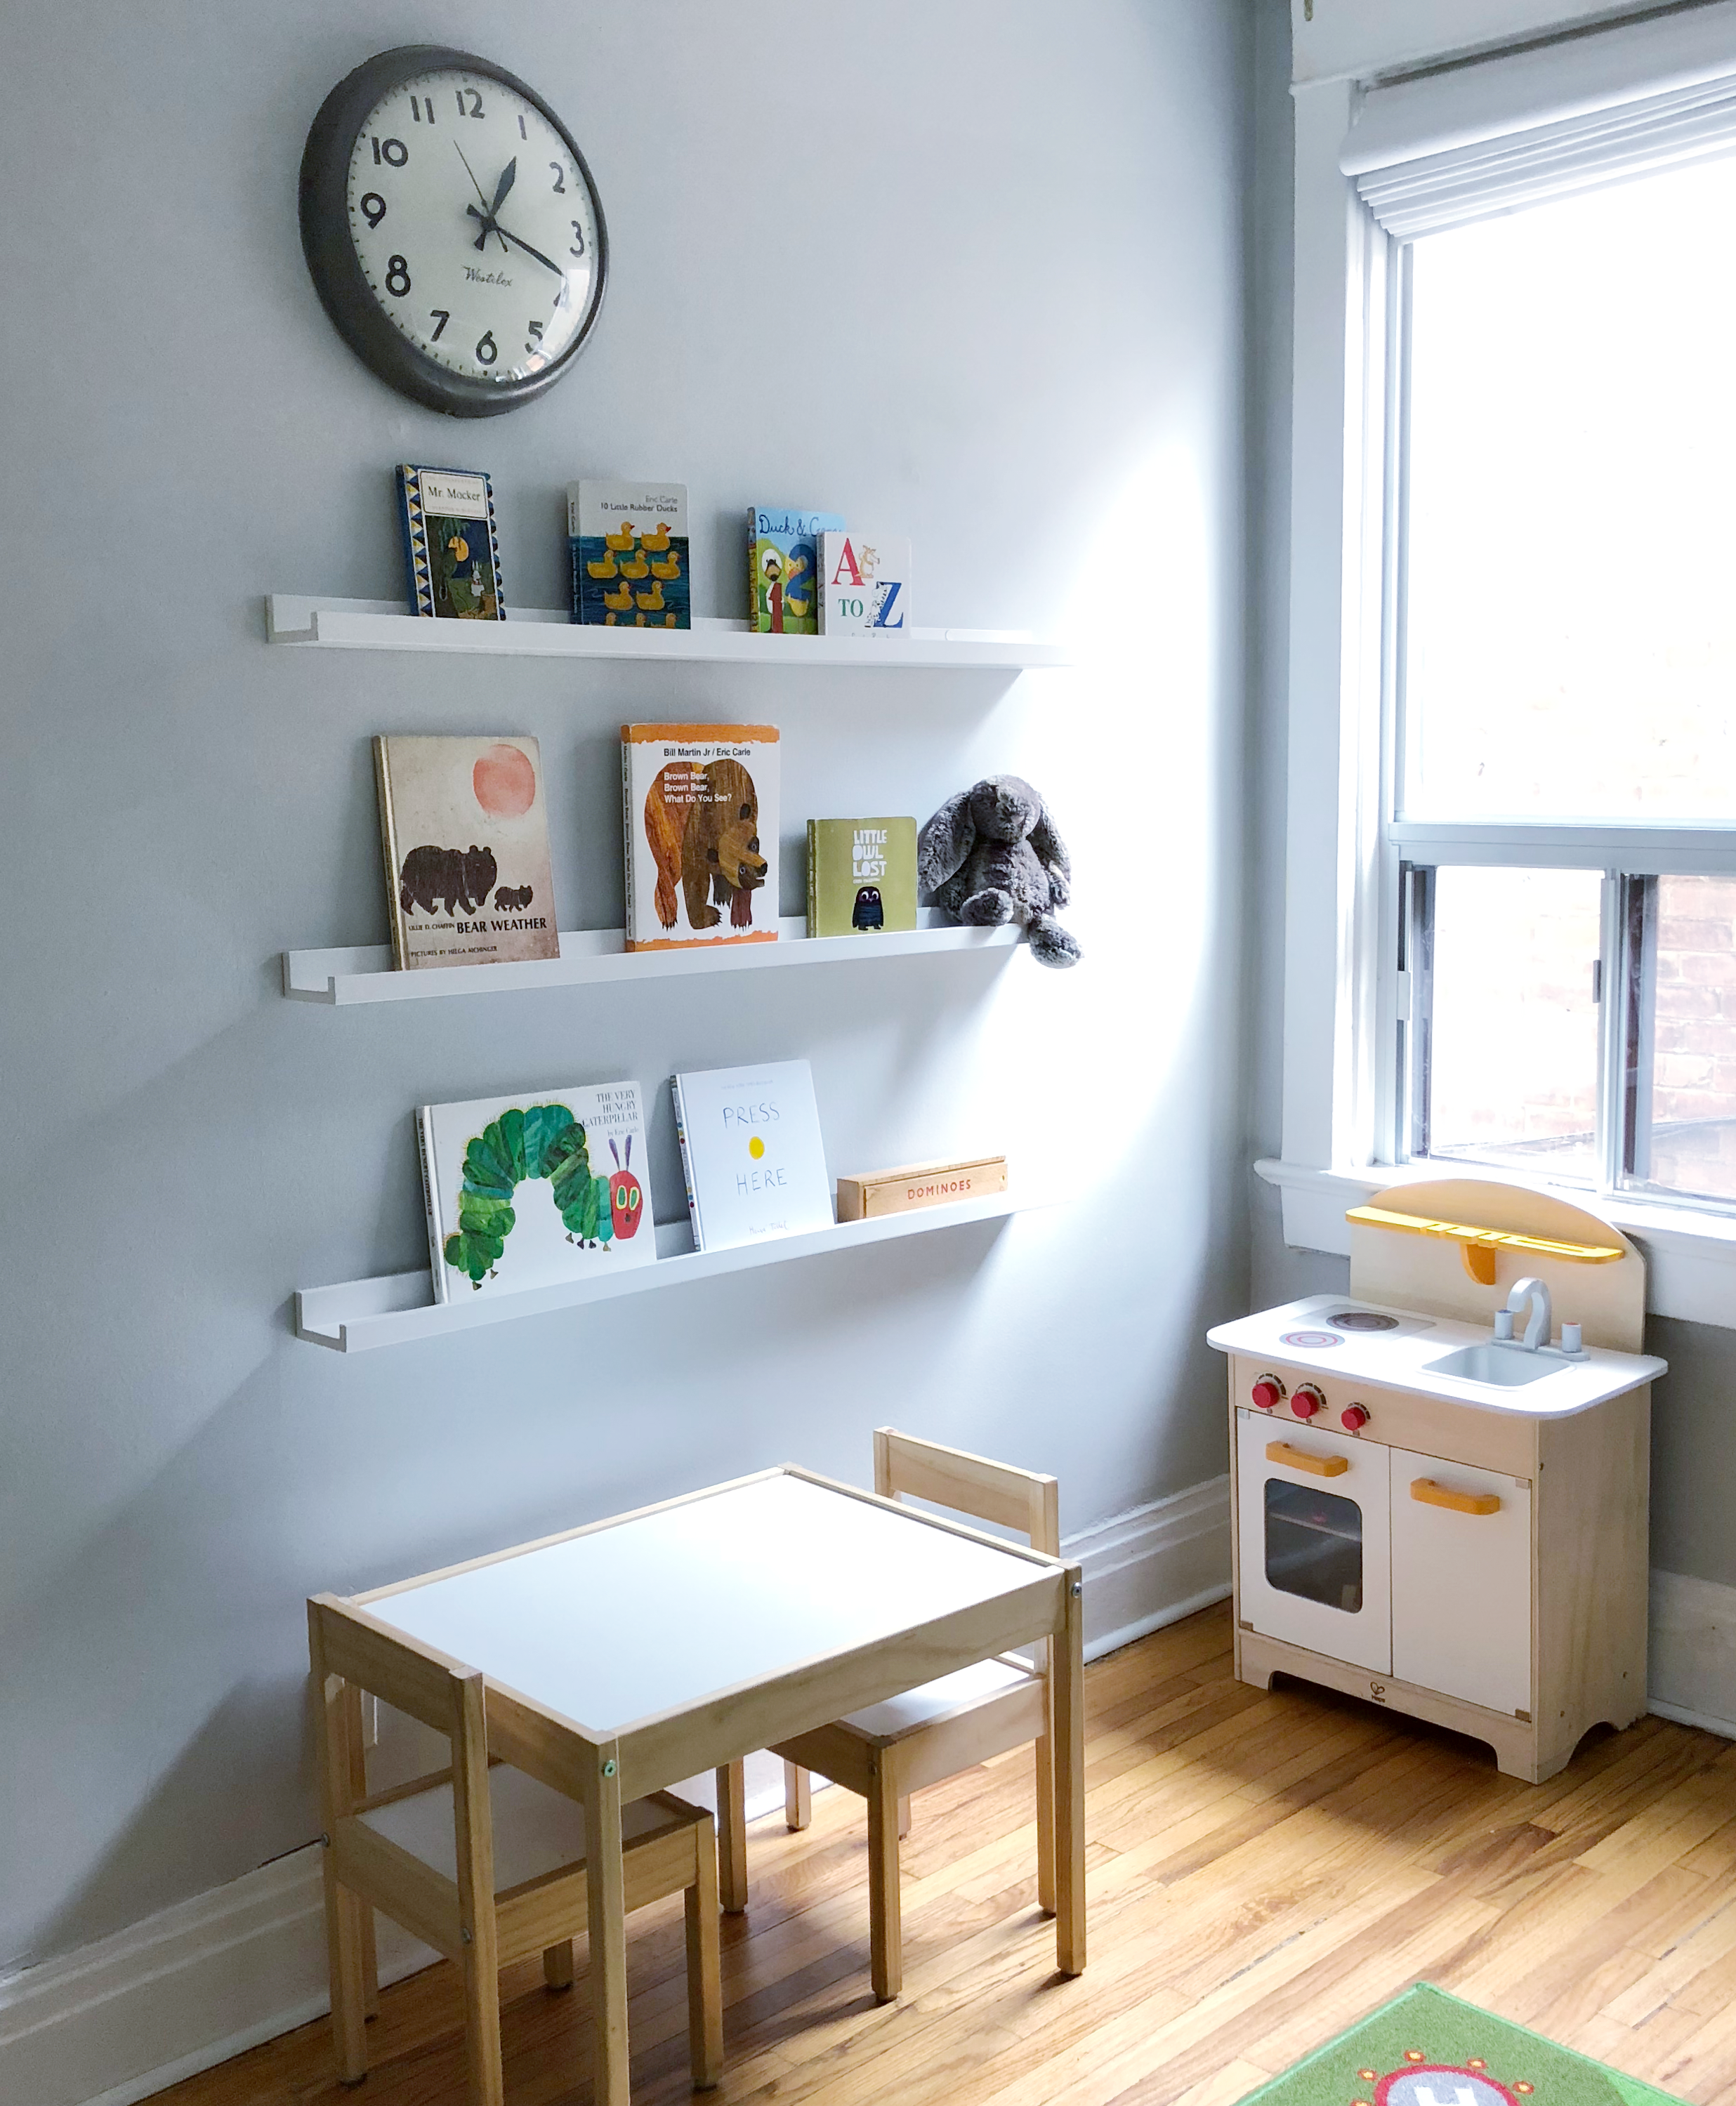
(1571, 536)
(1682, 1069)
(1513, 1037)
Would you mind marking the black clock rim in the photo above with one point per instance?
(336, 269)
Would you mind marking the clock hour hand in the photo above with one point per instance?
(508, 175)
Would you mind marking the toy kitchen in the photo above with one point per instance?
(1440, 1483)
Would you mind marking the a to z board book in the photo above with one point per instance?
(783, 569)
(451, 548)
(864, 584)
(751, 1152)
(699, 818)
(861, 875)
(628, 542)
(533, 1190)
(464, 834)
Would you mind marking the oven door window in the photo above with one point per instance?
(1314, 1545)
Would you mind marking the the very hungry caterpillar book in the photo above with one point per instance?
(861, 875)
(451, 548)
(628, 542)
(751, 1151)
(530, 1190)
(699, 819)
(465, 833)
(784, 568)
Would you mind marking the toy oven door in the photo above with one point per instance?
(1314, 1532)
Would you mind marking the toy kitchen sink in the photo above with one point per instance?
(1440, 1498)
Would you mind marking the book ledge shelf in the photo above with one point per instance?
(364, 973)
(539, 632)
(362, 1314)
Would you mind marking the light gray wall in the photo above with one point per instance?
(967, 270)
(1694, 1419)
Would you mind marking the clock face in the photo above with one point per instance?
(452, 229)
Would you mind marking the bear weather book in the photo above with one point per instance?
(531, 1190)
(751, 1152)
(861, 875)
(783, 569)
(465, 833)
(451, 548)
(699, 818)
(628, 546)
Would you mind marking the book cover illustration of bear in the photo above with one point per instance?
(864, 584)
(451, 546)
(861, 875)
(752, 1154)
(465, 833)
(699, 819)
(531, 1190)
(628, 544)
(783, 569)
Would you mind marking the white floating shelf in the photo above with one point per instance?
(365, 973)
(539, 632)
(362, 1314)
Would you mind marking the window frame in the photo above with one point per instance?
(1345, 994)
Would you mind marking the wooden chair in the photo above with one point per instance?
(484, 1863)
(893, 1749)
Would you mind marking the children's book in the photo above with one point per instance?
(751, 1151)
(783, 569)
(450, 546)
(465, 832)
(864, 584)
(628, 542)
(530, 1190)
(861, 875)
(699, 818)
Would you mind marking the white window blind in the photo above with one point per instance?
(1475, 141)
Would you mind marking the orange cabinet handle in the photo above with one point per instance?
(1426, 1492)
(1317, 1466)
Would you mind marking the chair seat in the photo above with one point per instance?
(944, 1698)
(537, 1829)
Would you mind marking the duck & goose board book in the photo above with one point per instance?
(783, 569)
(628, 542)
(752, 1154)
(533, 1189)
(699, 820)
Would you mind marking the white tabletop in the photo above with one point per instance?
(657, 1613)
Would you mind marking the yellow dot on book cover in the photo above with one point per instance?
(756, 1147)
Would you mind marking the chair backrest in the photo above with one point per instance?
(968, 1484)
(349, 1652)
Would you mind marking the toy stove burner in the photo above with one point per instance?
(1313, 1341)
(1362, 1319)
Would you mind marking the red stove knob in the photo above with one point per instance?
(1354, 1416)
(1267, 1393)
(1306, 1402)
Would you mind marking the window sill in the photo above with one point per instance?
(1690, 1256)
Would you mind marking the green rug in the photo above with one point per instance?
(1428, 2049)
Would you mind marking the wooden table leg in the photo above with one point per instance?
(732, 1837)
(1045, 1786)
(606, 1887)
(705, 1994)
(886, 1919)
(1067, 1754)
(336, 1709)
(798, 1796)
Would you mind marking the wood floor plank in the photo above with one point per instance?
(1262, 1867)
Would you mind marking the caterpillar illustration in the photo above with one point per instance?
(545, 1141)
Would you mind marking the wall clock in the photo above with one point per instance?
(453, 229)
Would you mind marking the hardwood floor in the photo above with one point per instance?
(1263, 1870)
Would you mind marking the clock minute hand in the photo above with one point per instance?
(507, 234)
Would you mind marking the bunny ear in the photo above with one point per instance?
(945, 841)
(1051, 850)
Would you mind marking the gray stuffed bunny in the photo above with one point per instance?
(992, 854)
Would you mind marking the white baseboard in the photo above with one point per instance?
(1692, 1670)
(213, 1976)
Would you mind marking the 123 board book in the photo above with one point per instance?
(861, 875)
(864, 584)
(465, 832)
(628, 542)
(783, 569)
(451, 548)
(751, 1150)
(699, 818)
(530, 1190)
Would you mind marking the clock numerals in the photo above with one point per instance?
(397, 276)
(487, 351)
(579, 233)
(422, 109)
(373, 206)
(522, 133)
(535, 330)
(393, 153)
(560, 179)
(442, 316)
(474, 96)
